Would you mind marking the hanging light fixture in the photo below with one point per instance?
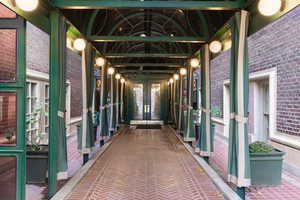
(27, 5)
(183, 71)
(110, 71)
(122, 80)
(171, 80)
(79, 44)
(100, 61)
(195, 62)
(215, 46)
(269, 7)
(118, 76)
(176, 77)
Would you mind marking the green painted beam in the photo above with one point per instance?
(96, 38)
(186, 5)
(148, 71)
(145, 55)
(146, 65)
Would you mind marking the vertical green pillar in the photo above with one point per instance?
(103, 103)
(111, 113)
(206, 136)
(57, 136)
(89, 57)
(180, 107)
(117, 103)
(175, 102)
(238, 154)
(189, 134)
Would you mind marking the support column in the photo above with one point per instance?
(122, 102)
(103, 126)
(111, 118)
(238, 154)
(57, 160)
(174, 103)
(117, 104)
(180, 107)
(206, 136)
(90, 60)
(189, 135)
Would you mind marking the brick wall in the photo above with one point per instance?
(74, 75)
(38, 43)
(276, 45)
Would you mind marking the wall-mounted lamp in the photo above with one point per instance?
(269, 7)
(176, 77)
(118, 76)
(100, 61)
(183, 71)
(79, 44)
(27, 5)
(215, 46)
(110, 71)
(194, 62)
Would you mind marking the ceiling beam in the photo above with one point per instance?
(146, 65)
(147, 55)
(148, 71)
(147, 39)
(186, 5)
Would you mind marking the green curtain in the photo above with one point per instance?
(206, 135)
(238, 158)
(189, 133)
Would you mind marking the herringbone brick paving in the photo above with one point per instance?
(144, 165)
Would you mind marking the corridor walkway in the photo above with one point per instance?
(146, 164)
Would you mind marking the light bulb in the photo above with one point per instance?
(215, 46)
(122, 80)
(79, 44)
(111, 71)
(269, 7)
(118, 76)
(183, 71)
(176, 76)
(27, 5)
(100, 61)
(171, 80)
(195, 62)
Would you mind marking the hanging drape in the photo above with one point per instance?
(206, 135)
(238, 158)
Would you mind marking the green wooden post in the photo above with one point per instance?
(103, 102)
(189, 135)
(180, 106)
(62, 160)
(206, 136)
(238, 154)
(56, 83)
(175, 102)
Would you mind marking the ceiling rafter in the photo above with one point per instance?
(187, 5)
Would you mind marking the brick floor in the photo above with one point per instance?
(146, 164)
(289, 190)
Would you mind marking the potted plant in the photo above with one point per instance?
(266, 164)
(37, 146)
(10, 135)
